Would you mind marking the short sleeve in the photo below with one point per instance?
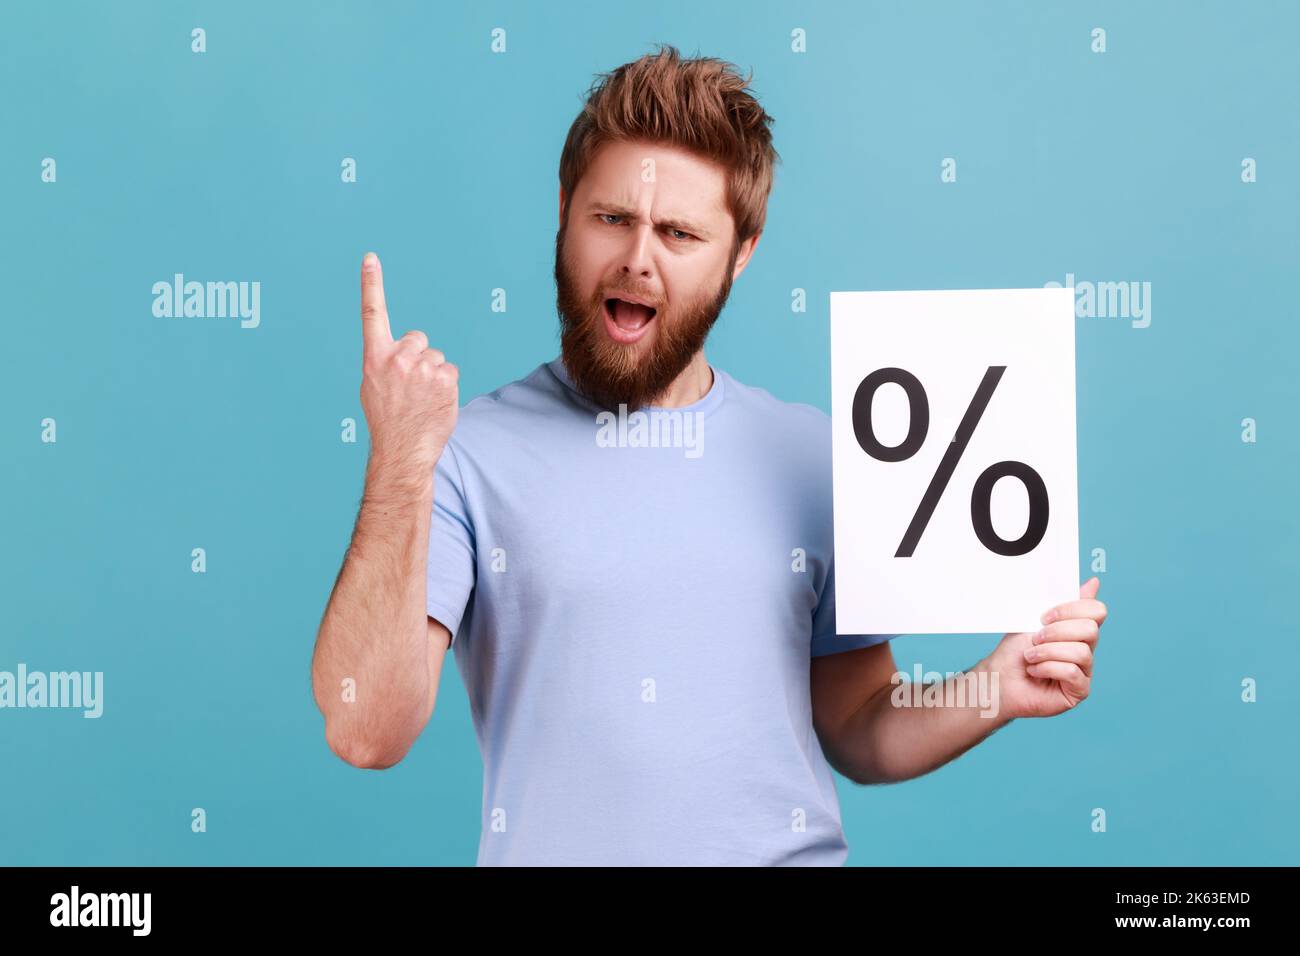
(450, 577)
(824, 639)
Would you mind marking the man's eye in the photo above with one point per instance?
(679, 234)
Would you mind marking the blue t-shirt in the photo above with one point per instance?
(634, 600)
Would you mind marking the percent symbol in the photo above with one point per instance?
(982, 494)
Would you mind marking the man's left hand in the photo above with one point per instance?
(1045, 673)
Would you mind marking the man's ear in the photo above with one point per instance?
(743, 254)
(561, 205)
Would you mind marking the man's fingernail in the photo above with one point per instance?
(1047, 617)
(370, 261)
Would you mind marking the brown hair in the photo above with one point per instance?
(699, 104)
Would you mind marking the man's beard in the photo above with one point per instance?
(612, 373)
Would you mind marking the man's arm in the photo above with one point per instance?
(379, 655)
(1029, 674)
(868, 739)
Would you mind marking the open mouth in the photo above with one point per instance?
(627, 321)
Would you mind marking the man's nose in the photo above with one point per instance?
(637, 250)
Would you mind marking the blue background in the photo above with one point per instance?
(183, 433)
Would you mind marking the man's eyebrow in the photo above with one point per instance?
(615, 209)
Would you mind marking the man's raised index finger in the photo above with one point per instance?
(374, 310)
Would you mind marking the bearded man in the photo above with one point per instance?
(646, 636)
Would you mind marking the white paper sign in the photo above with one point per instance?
(956, 489)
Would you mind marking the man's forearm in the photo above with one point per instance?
(374, 629)
(888, 740)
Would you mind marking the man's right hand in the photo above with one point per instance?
(409, 391)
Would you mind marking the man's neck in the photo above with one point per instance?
(690, 386)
